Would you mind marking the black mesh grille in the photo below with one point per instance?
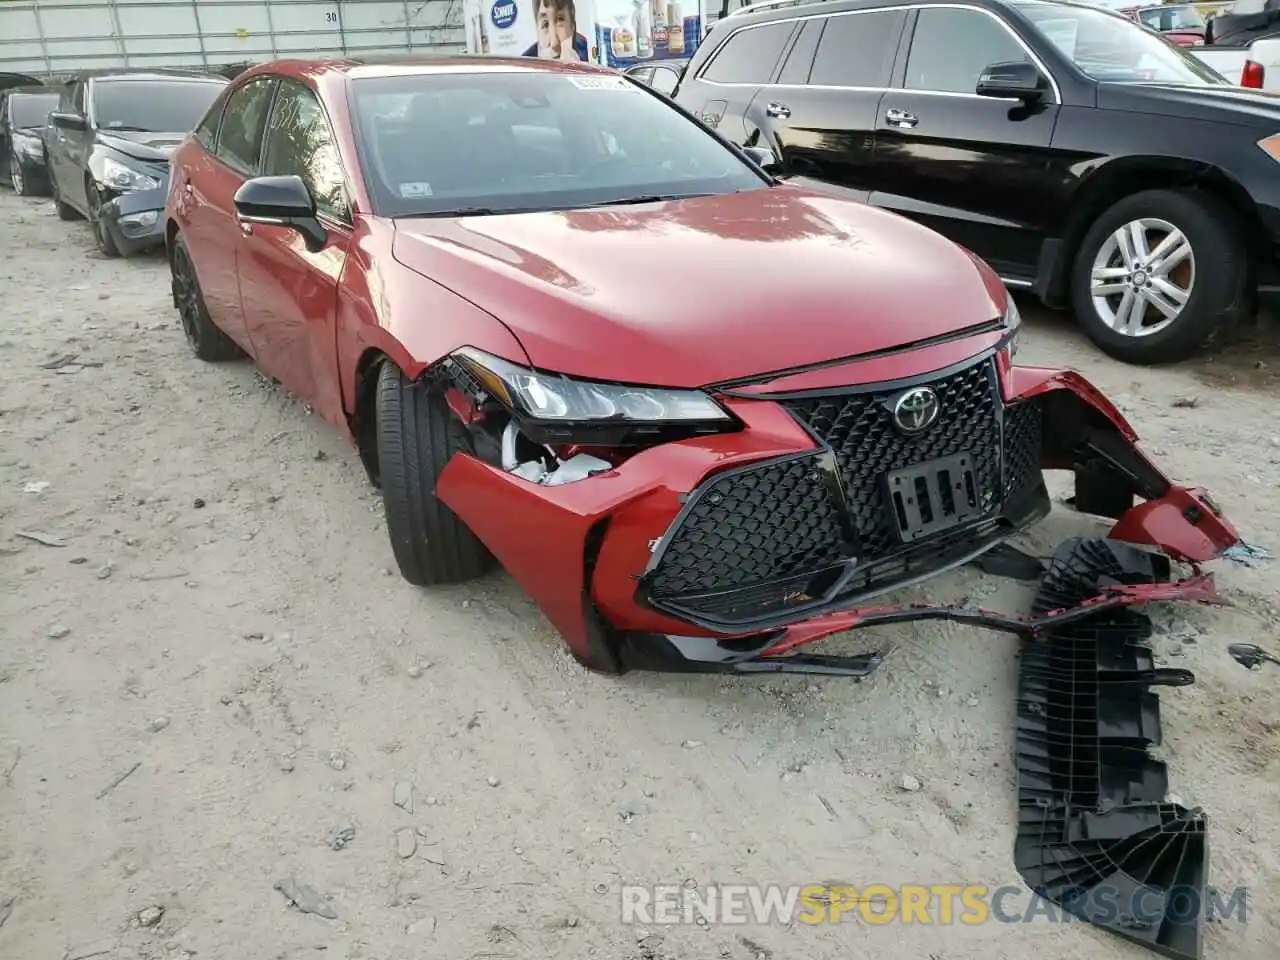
(860, 429)
(753, 526)
(763, 539)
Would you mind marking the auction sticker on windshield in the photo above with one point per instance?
(602, 83)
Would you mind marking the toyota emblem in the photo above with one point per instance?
(916, 410)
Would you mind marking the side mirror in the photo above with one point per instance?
(68, 121)
(281, 202)
(1016, 80)
(763, 158)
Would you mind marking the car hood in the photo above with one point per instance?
(692, 292)
(1236, 105)
(142, 145)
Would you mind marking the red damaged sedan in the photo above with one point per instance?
(699, 414)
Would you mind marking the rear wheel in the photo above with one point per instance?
(417, 436)
(207, 341)
(1159, 274)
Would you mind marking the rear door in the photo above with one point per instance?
(208, 180)
(725, 83)
(289, 294)
(977, 169)
(819, 115)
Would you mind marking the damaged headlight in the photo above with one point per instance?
(116, 174)
(550, 397)
(28, 146)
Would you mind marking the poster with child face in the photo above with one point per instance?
(549, 29)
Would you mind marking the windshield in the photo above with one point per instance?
(518, 141)
(31, 109)
(1109, 47)
(154, 106)
(1172, 18)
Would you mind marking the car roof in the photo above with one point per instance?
(410, 65)
(145, 75)
(786, 9)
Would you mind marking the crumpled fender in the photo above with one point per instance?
(1182, 521)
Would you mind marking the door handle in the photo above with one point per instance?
(778, 111)
(900, 118)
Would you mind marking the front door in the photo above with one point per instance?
(289, 293)
(819, 117)
(977, 169)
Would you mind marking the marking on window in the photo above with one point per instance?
(602, 83)
(411, 191)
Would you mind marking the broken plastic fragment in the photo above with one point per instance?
(577, 467)
(1246, 554)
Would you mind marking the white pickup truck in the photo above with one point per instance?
(1256, 66)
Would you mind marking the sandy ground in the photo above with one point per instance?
(223, 622)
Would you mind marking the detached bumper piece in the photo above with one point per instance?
(1095, 835)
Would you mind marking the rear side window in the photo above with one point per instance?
(800, 60)
(951, 48)
(207, 129)
(240, 138)
(857, 50)
(749, 55)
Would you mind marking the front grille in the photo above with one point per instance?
(759, 540)
(859, 428)
(756, 525)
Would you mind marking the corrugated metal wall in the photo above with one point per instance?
(63, 36)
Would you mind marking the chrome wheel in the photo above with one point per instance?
(15, 176)
(1142, 277)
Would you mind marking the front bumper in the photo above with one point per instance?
(725, 553)
(135, 220)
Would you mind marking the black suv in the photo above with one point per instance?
(1082, 155)
(108, 146)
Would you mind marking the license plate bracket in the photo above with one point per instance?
(936, 495)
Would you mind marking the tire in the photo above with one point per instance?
(101, 235)
(17, 179)
(1211, 281)
(417, 436)
(207, 342)
(65, 210)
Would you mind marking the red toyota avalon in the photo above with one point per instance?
(701, 415)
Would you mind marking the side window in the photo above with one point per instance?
(952, 47)
(300, 142)
(240, 138)
(207, 131)
(749, 55)
(857, 50)
(800, 60)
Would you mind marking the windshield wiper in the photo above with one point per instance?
(651, 198)
(125, 128)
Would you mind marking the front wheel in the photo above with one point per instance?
(65, 210)
(17, 178)
(1159, 274)
(101, 235)
(417, 436)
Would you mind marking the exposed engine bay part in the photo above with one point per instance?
(1096, 834)
(577, 467)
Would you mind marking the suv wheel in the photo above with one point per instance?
(1159, 274)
